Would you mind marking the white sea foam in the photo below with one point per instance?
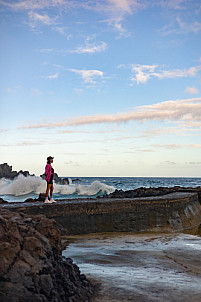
(22, 185)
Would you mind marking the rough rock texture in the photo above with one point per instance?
(3, 201)
(148, 192)
(6, 172)
(31, 264)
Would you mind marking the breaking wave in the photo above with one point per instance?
(22, 185)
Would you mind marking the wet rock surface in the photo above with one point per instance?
(142, 267)
(32, 267)
(148, 192)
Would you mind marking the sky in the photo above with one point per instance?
(109, 87)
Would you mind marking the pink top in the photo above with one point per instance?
(48, 171)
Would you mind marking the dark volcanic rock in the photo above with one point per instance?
(58, 180)
(148, 192)
(32, 267)
(3, 201)
(6, 172)
(76, 180)
(41, 197)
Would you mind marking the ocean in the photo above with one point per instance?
(21, 188)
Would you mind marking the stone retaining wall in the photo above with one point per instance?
(172, 212)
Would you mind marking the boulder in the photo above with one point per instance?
(32, 267)
(41, 197)
(7, 172)
(3, 201)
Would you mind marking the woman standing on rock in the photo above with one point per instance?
(49, 173)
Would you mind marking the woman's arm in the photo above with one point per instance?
(48, 172)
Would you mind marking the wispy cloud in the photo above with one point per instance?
(3, 130)
(177, 146)
(168, 146)
(90, 48)
(191, 90)
(185, 27)
(181, 130)
(54, 76)
(172, 4)
(177, 26)
(36, 18)
(88, 76)
(114, 10)
(179, 110)
(33, 4)
(117, 10)
(143, 73)
(139, 151)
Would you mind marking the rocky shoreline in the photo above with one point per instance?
(149, 192)
(136, 193)
(6, 171)
(32, 266)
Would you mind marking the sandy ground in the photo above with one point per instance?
(142, 267)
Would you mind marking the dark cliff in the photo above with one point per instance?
(7, 172)
(31, 264)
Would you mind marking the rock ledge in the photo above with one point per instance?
(32, 267)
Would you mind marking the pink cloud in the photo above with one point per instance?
(179, 110)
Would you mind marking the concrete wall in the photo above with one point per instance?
(172, 212)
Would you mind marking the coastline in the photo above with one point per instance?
(185, 202)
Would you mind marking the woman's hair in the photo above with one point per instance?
(49, 159)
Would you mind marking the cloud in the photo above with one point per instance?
(173, 4)
(169, 146)
(45, 50)
(91, 48)
(3, 130)
(117, 10)
(179, 110)
(183, 129)
(36, 18)
(139, 150)
(88, 76)
(194, 27)
(54, 76)
(177, 146)
(72, 163)
(33, 4)
(74, 154)
(123, 6)
(62, 31)
(180, 27)
(143, 73)
(191, 90)
(116, 23)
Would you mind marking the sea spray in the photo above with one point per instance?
(22, 185)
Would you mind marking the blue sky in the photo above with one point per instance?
(109, 88)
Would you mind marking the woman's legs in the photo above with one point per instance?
(51, 190)
(47, 190)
